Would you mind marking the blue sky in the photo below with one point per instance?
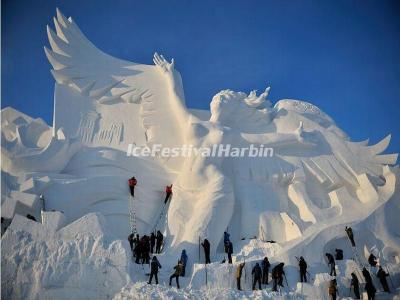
(343, 56)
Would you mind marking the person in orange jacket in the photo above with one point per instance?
(132, 183)
(168, 191)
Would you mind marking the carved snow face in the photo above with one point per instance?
(224, 104)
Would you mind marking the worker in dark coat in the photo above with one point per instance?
(229, 249)
(206, 245)
(382, 278)
(369, 286)
(159, 243)
(257, 274)
(277, 276)
(152, 242)
(155, 265)
(372, 260)
(265, 268)
(184, 259)
(350, 234)
(303, 269)
(331, 263)
(131, 239)
(356, 286)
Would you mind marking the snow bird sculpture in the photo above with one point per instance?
(315, 174)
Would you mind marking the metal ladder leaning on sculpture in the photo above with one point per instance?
(162, 213)
(132, 215)
(358, 261)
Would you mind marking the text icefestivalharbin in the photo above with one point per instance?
(219, 150)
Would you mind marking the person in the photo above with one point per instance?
(257, 274)
(131, 239)
(331, 263)
(303, 269)
(155, 265)
(159, 243)
(168, 192)
(350, 234)
(176, 274)
(132, 183)
(30, 217)
(339, 254)
(226, 237)
(152, 242)
(239, 271)
(145, 248)
(265, 268)
(4, 225)
(332, 290)
(136, 240)
(382, 278)
(138, 250)
(229, 251)
(372, 260)
(356, 286)
(277, 276)
(184, 259)
(206, 246)
(369, 286)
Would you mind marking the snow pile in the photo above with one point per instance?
(78, 261)
(142, 290)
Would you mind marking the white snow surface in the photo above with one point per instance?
(317, 182)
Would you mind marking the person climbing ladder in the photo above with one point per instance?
(168, 191)
(356, 285)
(132, 183)
(350, 234)
(132, 215)
(382, 278)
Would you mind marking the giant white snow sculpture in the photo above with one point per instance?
(315, 175)
(316, 182)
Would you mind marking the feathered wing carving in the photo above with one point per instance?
(323, 173)
(78, 64)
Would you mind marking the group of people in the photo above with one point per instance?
(355, 284)
(142, 247)
(179, 269)
(260, 274)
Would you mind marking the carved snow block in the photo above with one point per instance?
(366, 192)
(28, 186)
(278, 226)
(21, 203)
(53, 220)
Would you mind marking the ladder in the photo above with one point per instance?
(132, 215)
(357, 259)
(359, 263)
(162, 213)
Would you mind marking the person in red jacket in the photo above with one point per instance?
(132, 183)
(168, 191)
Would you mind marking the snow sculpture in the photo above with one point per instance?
(315, 172)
